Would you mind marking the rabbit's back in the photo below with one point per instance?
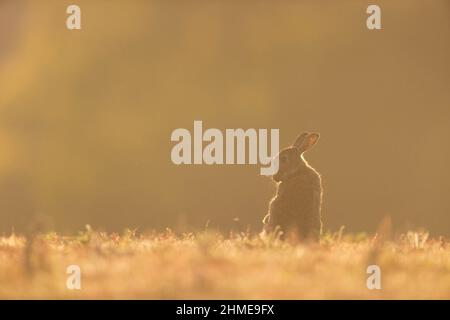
(297, 205)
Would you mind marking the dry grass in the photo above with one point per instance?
(208, 265)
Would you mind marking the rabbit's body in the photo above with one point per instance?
(296, 207)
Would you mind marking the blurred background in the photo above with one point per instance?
(86, 116)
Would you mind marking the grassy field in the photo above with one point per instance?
(208, 265)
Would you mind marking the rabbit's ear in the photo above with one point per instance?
(306, 140)
(299, 140)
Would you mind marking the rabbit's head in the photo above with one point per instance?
(290, 159)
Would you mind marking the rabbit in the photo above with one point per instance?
(296, 207)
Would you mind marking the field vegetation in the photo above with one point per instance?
(210, 265)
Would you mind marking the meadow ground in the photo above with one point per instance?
(208, 265)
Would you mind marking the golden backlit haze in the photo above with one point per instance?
(86, 116)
